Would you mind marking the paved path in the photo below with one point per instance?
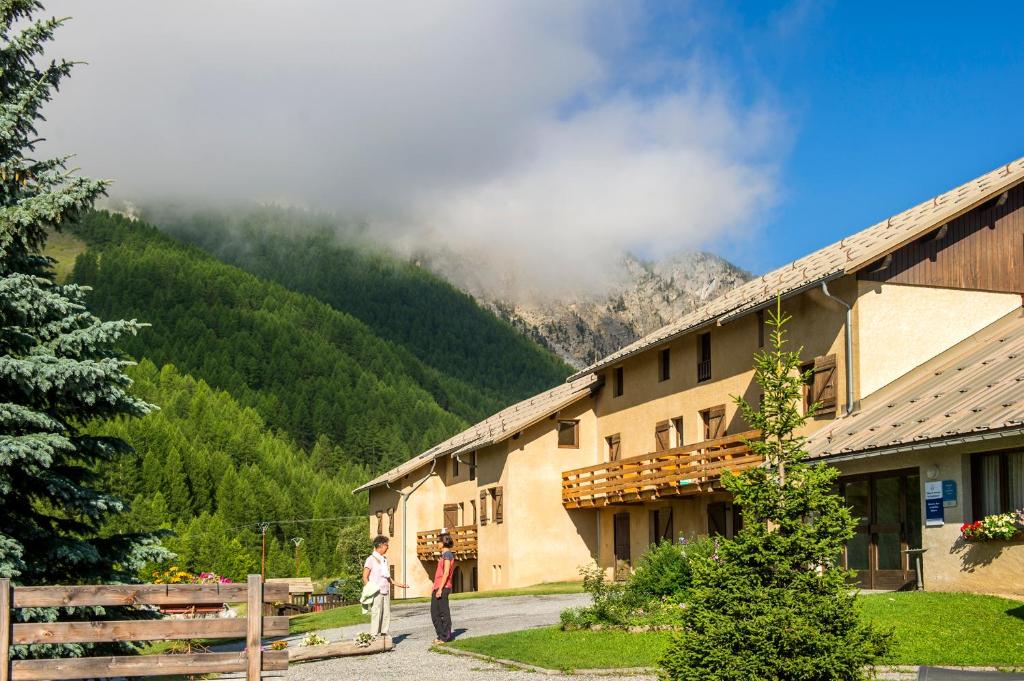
(414, 634)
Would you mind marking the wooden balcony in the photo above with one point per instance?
(675, 472)
(428, 543)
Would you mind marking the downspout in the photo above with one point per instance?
(405, 519)
(849, 346)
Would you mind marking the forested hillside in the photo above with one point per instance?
(209, 469)
(306, 368)
(442, 326)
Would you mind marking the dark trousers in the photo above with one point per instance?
(440, 614)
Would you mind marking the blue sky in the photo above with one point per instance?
(886, 104)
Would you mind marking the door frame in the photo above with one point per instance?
(873, 577)
(621, 571)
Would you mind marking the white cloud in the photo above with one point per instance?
(494, 125)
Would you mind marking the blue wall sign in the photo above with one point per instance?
(949, 493)
(934, 512)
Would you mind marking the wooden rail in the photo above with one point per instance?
(428, 543)
(674, 472)
(253, 660)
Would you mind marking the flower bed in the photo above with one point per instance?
(999, 527)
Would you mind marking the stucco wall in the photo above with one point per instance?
(548, 543)
(950, 564)
(899, 327)
(817, 327)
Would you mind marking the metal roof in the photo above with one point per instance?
(977, 386)
(496, 428)
(844, 257)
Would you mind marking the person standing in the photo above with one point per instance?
(440, 613)
(377, 571)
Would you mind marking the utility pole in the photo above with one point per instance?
(298, 542)
(263, 551)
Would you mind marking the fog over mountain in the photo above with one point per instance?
(533, 131)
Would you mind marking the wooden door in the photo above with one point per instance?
(887, 507)
(622, 547)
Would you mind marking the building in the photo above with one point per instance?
(915, 334)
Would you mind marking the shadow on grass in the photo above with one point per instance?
(1017, 612)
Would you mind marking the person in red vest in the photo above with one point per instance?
(440, 613)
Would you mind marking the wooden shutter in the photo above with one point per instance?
(715, 422)
(483, 507)
(451, 515)
(498, 507)
(824, 388)
(661, 436)
(380, 522)
(666, 529)
(391, 521)
(716, 518)
(614, 447)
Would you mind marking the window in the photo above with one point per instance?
(661, 436)
(569, 434)
(391, 521)
(451, 516)
(664, 365)
(714, 422)
(998, 481)
(820, 385)
(661, 525)
(472, 467)
(618, 384)
(704, 361)
(677, 432)
(614, 443)
(483, 507)
(760, 328)
(380, 522)
(455, 466)
(472, 507)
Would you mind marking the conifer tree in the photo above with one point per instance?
(773, 603)
(58, 366)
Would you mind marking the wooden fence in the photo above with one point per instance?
(253, 660)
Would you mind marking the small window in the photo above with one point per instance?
(614, 443)
(998, 481)
(472, 508)
(618, 386)
(391, 521)
(677, 432)
(472, 466)
(760, 328)
(661, 436)
(665, 364)
(455, 467)
(704, 362)
(569, 434)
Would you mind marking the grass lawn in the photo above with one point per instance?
(567, 650)
(929, 629)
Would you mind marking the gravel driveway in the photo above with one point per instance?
(413, 635)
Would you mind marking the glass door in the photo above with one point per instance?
(887, 507)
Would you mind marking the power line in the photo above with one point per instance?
(266, 523)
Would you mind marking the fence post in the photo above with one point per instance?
(5, 629)
(254, 630)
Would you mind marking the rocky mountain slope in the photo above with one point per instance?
(583, 327)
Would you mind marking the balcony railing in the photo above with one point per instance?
(674, 472)
(428, 543)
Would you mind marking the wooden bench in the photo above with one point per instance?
(299, 591)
